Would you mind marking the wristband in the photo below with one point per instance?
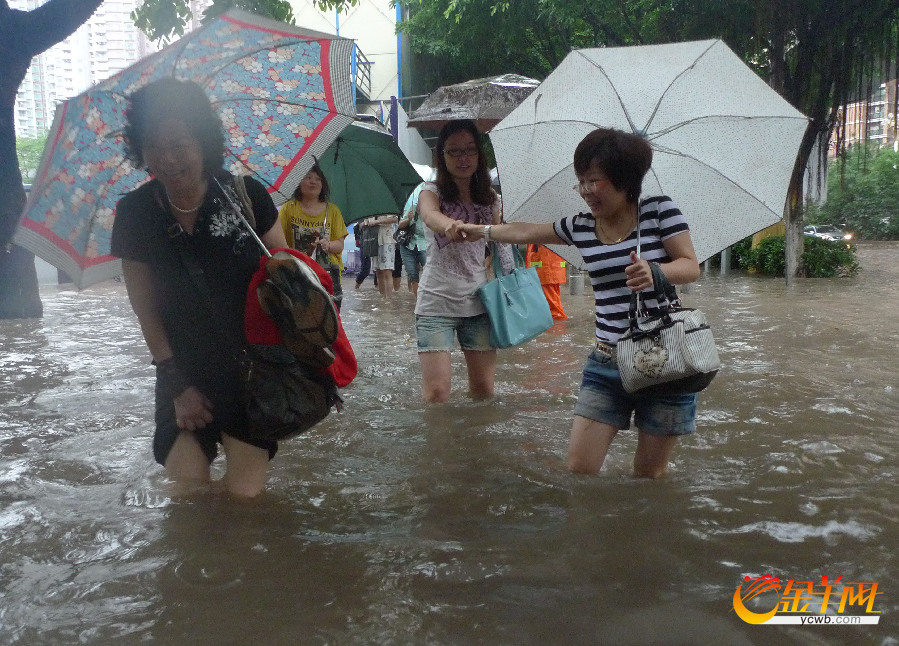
(173, 380)
(487, 232)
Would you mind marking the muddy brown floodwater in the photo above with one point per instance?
(394, 522)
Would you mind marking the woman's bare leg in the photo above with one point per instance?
(481, 372)
(436, 375)
(653, 454)
(589, 444)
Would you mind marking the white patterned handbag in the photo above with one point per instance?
(669, 352)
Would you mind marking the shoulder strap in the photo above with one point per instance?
(195, 271)
(240, 187)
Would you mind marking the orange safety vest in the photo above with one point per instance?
(550, 266)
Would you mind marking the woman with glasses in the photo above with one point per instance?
(447, 306)
(610, 166)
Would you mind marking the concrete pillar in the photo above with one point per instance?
(576, 282)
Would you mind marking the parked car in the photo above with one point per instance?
(828, 232)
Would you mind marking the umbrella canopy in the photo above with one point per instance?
(485, 101)
(367, 172)
(724, 143)
(281, 92)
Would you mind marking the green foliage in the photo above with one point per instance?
(165, 20)
(821, 258)
(29, 151)
(740, 253)
(863, 193)
(457, 40)
(767, 258)
(826, 258)
(274, 9)
(162, 20)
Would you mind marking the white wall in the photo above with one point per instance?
(372, 24)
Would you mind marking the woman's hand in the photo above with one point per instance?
(324, 244)
(473, 231)
(193, 410)
(454, 230)
(639, 273)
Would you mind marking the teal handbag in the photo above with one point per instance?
(515, 303)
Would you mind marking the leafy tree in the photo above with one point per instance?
(457, 40)
(166, 19)
(29, 151)
(23, 35)
(863, 193)
(817, 54)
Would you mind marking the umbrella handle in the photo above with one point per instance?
(234, 205)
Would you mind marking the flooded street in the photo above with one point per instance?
(398, 523)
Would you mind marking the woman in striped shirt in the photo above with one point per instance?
(610, 166)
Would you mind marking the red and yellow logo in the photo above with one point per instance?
(803, 602)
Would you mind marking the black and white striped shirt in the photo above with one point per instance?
(660, 219)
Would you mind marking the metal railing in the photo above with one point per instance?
(361, 73)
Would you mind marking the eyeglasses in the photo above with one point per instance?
(589, 187)
(462, 152)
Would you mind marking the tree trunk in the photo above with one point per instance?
(794, 241)
(794, 210)
(19, 297)
(23, 35)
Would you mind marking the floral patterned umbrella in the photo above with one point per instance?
(283, 95)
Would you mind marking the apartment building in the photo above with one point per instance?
(871, 120)
(107, 43)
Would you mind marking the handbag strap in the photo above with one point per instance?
(665, 292)
(497, 264)
(240, 187)
(177, 236)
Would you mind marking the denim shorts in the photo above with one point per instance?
(411, 261)
(437, 333)
(604, 399)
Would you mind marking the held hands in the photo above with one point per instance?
(193, 410)
(639, 273)
(456, 231)
(472, 231)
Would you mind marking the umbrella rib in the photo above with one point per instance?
(671, 84)
(714, 170)
(281, 102)
(624, 109)
(249, 171)
(236, 57)
(735, 117)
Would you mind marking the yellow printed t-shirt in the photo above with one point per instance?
(295, 222)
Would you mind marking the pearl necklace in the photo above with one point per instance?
(179, 209)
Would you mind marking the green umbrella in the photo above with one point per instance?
(367, 172)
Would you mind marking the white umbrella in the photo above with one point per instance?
(724, 143)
